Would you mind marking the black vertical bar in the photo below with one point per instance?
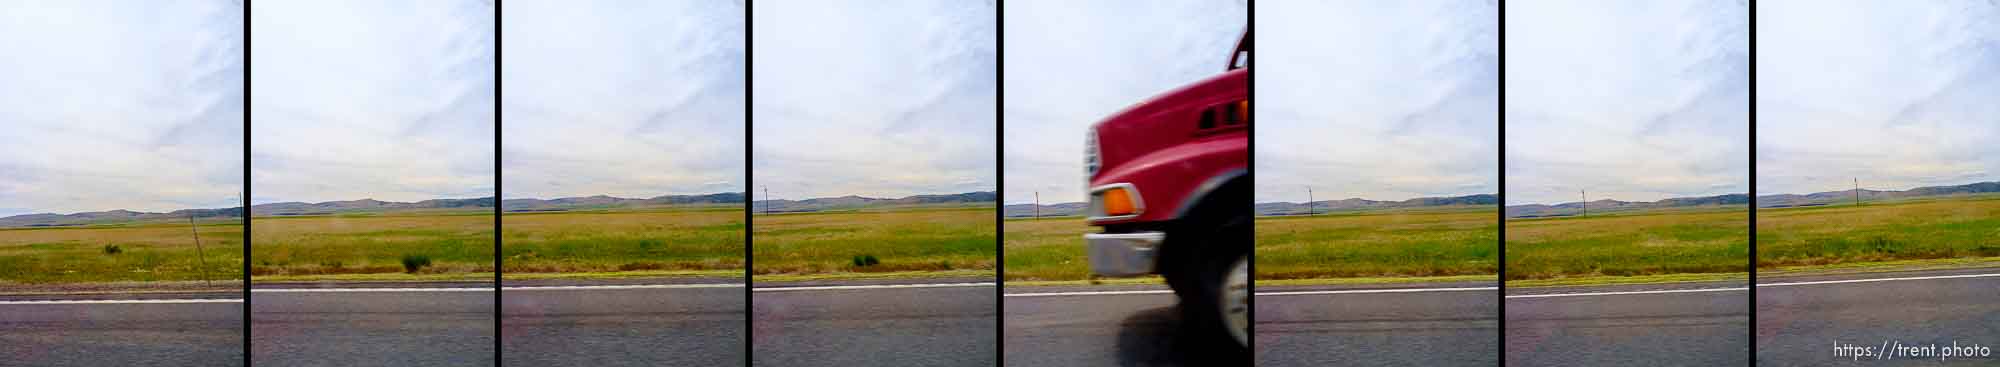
(1000, 184)
(749, 181)
(1250, 173)
(497, 361)
(245, 200)
(1500, 120)
(1751, 359)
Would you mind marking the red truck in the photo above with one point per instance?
(1170, 185)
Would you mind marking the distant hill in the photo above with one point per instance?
(114, 217)
(1609, 206)
(1835, 197)
(363, 205)
(603, 201)
(1358, 204)
(858, 202)
(1050, 210)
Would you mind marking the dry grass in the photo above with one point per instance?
(903, 239)
(1386, 244)
(1677, 242)
(1941, 228)
(149, 252)
(1046, 249)
(708, 238)
(370, 244)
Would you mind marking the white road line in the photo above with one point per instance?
(629, 286)
(1879, 280)
(1368, 291)
(877, 286)
(1785, 284)
(119, 301)
(1629, 293)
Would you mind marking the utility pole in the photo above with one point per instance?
(1585, 204)
(1038, 205)
(1857, 191)
(767, 200)
(1311, 207)
(198, 252)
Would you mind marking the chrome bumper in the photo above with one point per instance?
(1123, 254)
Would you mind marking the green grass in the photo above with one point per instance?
(913, 239)
(1374, 247)
(146, 253)
(1461, 242)
(1924, 229)
(1629, 244)
(699, 238)
(338, 247)
(1046, 249)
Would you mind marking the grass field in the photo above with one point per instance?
(330, 246)
(696, 238)
(1432, 243)
(1629, 244)
(944, 238)
(144, 252)
(1935, 228)
(1046, 249)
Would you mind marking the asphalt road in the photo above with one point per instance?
(1446, 324)
(197, 333)
(1682, 324)
(684, 322)
(870, 326)
(1800, 324)
(1104, 326)
(429, 325)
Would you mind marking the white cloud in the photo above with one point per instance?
(1070, 64)
(629, 99)
(1896, 94)
(1630, 100)
(1383, 100)
(120, 105)
(391, 100)
(873, 98)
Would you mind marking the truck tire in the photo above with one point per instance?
(1211, 276)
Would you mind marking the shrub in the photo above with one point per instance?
(650, 244)
(413, 263)
(861, 261)
(113, 250)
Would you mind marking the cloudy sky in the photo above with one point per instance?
(1896, 94)
(872, 98)
(391, 100)
(1072, 63)
(1382, 100)
(620, 98)
(1630, 100)
(120, 105)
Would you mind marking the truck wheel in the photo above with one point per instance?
(1235, 301)
(1214, 284)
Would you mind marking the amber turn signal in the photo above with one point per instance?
(1118, 201)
